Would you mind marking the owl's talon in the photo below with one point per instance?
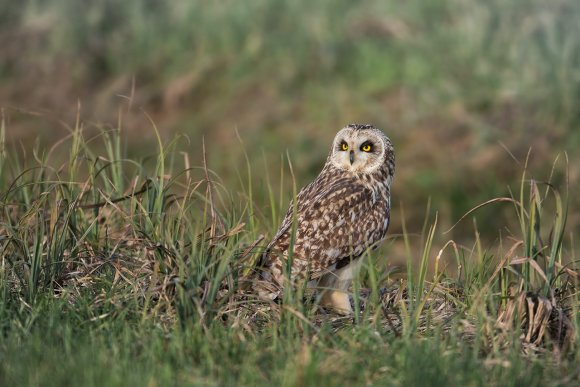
(336, 300)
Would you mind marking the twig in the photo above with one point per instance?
(143, 189)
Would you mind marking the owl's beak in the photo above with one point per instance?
(351, 157)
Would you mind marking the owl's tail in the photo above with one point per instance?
(261, 285)
(260, 282)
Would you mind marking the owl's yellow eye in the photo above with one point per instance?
(366, 148)
(344, 146)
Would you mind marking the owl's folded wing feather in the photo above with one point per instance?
(338, 223)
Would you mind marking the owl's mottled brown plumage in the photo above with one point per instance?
(341, 214)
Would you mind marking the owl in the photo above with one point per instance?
(334, 220)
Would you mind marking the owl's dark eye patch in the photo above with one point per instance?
(367, 146)
(343, 146)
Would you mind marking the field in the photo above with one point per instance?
(148, 152)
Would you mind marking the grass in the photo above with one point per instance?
(127, 272)
(124, 355)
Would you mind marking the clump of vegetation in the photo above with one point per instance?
(119, 271)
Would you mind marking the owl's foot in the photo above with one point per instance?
(337, 301)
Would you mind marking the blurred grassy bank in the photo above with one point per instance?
(464, 88)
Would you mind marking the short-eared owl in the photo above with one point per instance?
(340, 215)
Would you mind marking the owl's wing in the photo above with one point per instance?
(302, 202)
(334, 224)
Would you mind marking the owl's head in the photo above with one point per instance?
(363, 149)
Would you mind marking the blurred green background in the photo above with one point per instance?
(464, 88)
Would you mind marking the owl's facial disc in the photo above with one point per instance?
(357, 151)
